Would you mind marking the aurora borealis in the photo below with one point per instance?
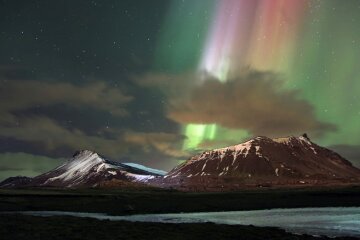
(294, 38)
(155, 82)
(259, 34)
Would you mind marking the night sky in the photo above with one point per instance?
(154, 82)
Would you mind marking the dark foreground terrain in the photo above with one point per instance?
(121, 202)
(28, 227)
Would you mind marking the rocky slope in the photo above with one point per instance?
(15, 181)
(86, 169)
(263, 162)
(259, 162)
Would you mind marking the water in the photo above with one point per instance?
(332, 221)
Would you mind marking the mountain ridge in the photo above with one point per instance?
(85, 169)
(258, 162)
(262, 161)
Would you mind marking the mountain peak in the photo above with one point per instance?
(293, 140)
(262, 160)
(84, 153)
(305, 136)
(87, 168)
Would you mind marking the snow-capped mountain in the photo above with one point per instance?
(259, 162)
(262, 161)
(88, 169)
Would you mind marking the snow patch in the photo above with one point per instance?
(140, 178)
(242, 148)
(303, 139)
(284, 140)
(204, 166)
(112, 172)
(313, 149)
(147, 169)
(79, 166)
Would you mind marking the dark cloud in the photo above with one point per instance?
(53, 136)
(17, 96)
(20, 95)
(166, 143)
(49, 134)
(211, 144)
(350, 152)
(171, 85)
(255, 101)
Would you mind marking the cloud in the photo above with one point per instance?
(171, 85)
(165, 143)
(255, 101)
(152, 149)
(349, 152)
(24, 164)
(20, 95)
(17, 96)
(211, 144)
(52, 135)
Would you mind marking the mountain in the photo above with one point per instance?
(259, 162)
(262, 162)
(15, 181)
(87, 169)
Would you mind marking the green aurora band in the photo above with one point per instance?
(321, 59)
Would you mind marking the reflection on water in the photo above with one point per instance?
(314, 221)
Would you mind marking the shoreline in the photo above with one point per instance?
(43, 228)
(126, 202)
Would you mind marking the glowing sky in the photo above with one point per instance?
(154, 82)
(315, 45)
(248, 33)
